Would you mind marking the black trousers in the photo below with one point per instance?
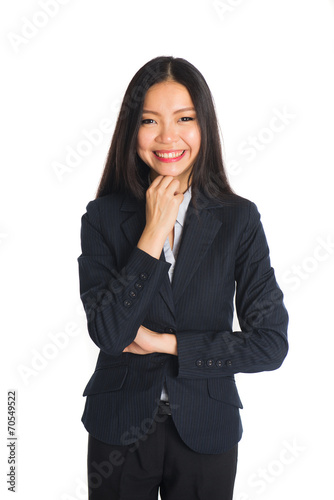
(159, 459)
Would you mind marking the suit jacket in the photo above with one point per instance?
(223, 253)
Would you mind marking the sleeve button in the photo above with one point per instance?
(199, 362)
(169, 330)
(127, 303)
(219, 363)
(210, 362)
(132, 294)
(139, 286)
(228, 362)
(143, 276)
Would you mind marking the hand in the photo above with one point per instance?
(162, 205)
(163, 200)
(147, 342)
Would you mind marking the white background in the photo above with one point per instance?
(65, 71)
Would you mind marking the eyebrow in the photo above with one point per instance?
(175, 112)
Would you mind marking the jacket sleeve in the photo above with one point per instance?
(116, 301)
(261, 345)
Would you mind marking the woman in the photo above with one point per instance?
(164, 246)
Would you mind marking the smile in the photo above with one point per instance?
(170, 155)
(173, 154)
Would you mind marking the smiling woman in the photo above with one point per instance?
(169, 137)
(179, 81)
(166, 245)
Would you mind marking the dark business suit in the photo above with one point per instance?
(123, 287)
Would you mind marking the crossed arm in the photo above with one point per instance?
(115, 327)
(148, 341)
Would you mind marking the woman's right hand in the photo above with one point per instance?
(162, 205)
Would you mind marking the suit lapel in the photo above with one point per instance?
(199, 231)
(134, 219)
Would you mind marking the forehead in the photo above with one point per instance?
(169, 93)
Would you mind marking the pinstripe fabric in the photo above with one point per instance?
(223, 250)
(171, 255)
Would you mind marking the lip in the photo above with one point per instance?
(169, 160)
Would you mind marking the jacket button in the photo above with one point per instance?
(210, 362)
(199, 362)
(169, 330)
(228, 362)
(139, 286)
(127, 303)
(219, 363)
(132, 294)
(143, 276)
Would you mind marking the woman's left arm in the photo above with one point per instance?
(262, 344)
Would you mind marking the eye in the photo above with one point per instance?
(186, 119)
(148, 121)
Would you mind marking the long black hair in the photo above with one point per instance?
(124, 170)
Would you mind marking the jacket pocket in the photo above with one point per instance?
(225, 390)
(109, 378)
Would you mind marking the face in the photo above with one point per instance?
(169, 135)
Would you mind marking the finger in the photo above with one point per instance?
(156, 181)
(174, 187)
(165, 181)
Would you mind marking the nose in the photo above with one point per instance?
(167, 134)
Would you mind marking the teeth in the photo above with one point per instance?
(169, 155)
